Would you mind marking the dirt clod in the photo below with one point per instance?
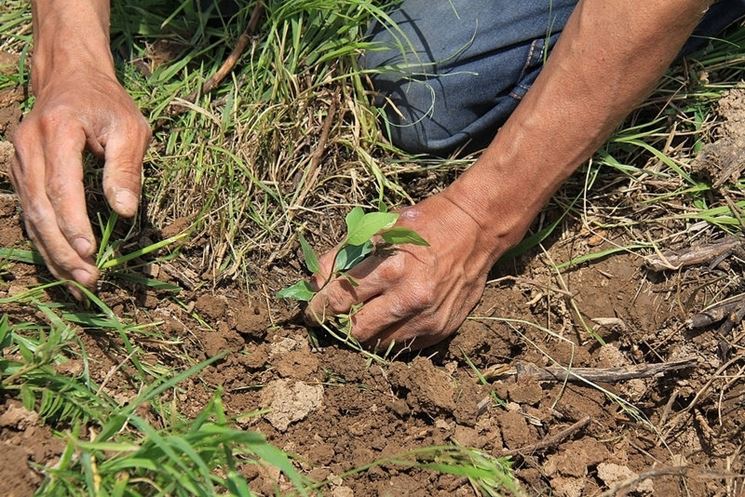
(723, 161)
(250, 319)
(568, 487)
(342, 492)
(211, 306)
(611, 474)
(526, 391)
(297, 364)
(429, 389)
(17, 417)
(290, 402)
(16, 478)
(515, 430)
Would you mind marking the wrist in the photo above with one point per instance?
(69, 38)
(500, 199)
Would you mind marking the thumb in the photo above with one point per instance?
(122, 174)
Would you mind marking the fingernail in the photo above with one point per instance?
(82, 276)
(82, 246)
(125, 200)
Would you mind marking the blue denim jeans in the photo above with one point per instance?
(450, 72)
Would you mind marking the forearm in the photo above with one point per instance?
(68, 35)
(606, 61)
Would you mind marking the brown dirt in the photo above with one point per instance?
(336, 411)
(723, 161)
(10, 99)
(24, 440)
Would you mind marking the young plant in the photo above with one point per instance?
(362, 228)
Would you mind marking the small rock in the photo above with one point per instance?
(285, 345)
(73, 367)
(8, 63)
(443, 425)
(610, 357)
(612, 473)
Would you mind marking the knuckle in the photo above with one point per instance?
(423, 296)
(361, 330)
(392, 269)
(33, 214)
(145, 130)
(51, 120)
(335, 297)
(55, 187)
(66, 260)
(22, 135)
(23, 139)
(400, 309)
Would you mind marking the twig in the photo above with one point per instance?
(730, 309)
(680, 471)
(315, 159)
(596, 375)
(549, 441)
(175, 108)
(692, 255)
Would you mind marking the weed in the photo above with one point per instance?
(358, 243)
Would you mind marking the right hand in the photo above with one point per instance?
(73, 110)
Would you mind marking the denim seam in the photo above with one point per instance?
(529, 59)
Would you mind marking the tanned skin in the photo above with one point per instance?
(79, 104)
(608, 58)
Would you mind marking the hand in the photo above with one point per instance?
(73, 110)
(415, 296)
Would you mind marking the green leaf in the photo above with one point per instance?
(19, 255)
(5, 335)
(353, 218)
(351, 255)
(311, 259)
(399, 235)
(370, 224)
(299, 291)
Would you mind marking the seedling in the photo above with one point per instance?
(362, 228)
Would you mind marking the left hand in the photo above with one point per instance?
(416, 296)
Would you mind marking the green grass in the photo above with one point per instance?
(236, 166)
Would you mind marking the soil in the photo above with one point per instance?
(24, 440)
(335, 410)
(723, 160)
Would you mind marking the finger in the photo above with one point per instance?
(369, 279)
(64, 187)
(373, 321)
(63, 261)
(122, 178)
(28, 175)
